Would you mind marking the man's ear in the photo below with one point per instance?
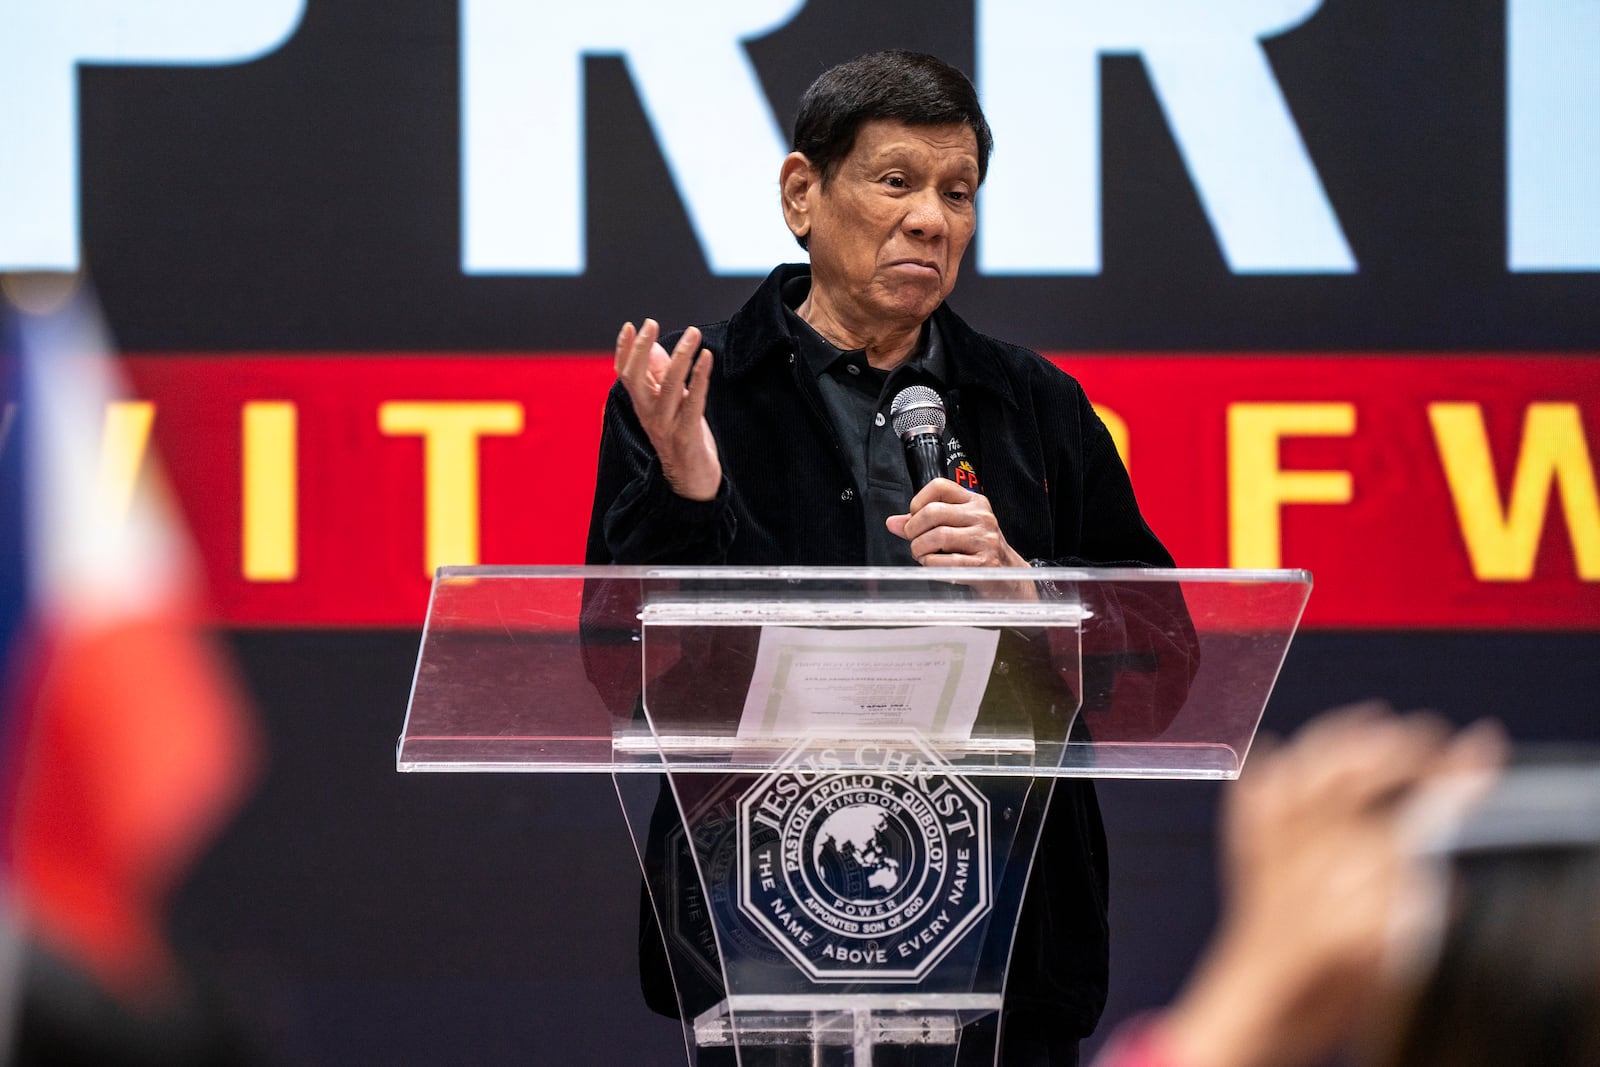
(796, 181)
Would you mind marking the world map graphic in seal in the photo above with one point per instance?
(868, 874)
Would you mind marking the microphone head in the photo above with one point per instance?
(917, 410)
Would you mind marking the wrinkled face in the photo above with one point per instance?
(887, 232)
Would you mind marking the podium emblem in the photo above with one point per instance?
(690, 905)
(870, 874)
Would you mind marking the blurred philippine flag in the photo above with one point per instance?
(123, 740)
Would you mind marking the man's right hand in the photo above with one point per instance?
(670, 401)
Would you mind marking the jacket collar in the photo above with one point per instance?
(759, 332)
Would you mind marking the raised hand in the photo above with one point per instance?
(669, 397)
(1327, 904)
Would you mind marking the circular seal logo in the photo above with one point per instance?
(867, 874)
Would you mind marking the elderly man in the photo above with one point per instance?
(765, 439)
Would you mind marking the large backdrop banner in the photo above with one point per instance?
(1330, 269)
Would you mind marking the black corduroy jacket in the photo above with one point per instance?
(1045, 460)
(1058, 490)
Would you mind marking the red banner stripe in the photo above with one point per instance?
(1423, 491)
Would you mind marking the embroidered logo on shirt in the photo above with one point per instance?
(957, 467)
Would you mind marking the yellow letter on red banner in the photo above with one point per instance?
(450, 432)
(1258, 487)
(1503, 542)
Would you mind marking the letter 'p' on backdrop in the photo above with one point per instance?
(1331, 270)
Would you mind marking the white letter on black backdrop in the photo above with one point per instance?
(1038, 72)
(522, 173)
(41, 46)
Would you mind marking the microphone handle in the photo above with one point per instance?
(925, 457)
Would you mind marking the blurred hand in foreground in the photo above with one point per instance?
(1322, 887)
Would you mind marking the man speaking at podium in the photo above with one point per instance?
(770, 438)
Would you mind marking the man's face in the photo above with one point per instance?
(887, 232)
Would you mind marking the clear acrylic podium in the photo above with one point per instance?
(835, 778)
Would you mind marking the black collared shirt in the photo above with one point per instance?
(857, 396)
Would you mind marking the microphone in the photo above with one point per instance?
(918, 417)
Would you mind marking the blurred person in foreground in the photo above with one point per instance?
(1392, 893)
(768, 439)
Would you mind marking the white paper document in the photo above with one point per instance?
(841, 682)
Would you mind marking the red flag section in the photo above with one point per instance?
(126, 739)
(135, 753)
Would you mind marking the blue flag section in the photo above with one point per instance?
(13, 591)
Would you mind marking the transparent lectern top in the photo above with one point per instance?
(1032, 671)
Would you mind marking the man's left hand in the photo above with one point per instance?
(949, 526)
